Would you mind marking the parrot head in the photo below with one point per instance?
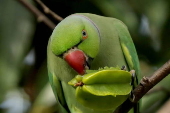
(76, 39)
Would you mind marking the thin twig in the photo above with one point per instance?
(40, 16)
(145, 85)
(48, 11)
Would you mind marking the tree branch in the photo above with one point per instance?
(145, 85)
(40, 16)
(48, 11)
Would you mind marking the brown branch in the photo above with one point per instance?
(40, 16)
(145, 85)
(48, 11)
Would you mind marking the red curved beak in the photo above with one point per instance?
(77, 60)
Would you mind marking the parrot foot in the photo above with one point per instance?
(123, 68)
(133, 73)
(132, 97)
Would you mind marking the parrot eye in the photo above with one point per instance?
(84, 34)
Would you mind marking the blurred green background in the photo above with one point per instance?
(24, 84)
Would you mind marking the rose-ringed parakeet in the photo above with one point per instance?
(85, 56)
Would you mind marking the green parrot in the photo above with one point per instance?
(89, 50)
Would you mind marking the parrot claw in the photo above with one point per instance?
(133, 73)
(132, 97)
(133, 78)
(123, 68)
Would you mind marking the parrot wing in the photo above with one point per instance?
(130, 55)
(128, 48)
(56, 85)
